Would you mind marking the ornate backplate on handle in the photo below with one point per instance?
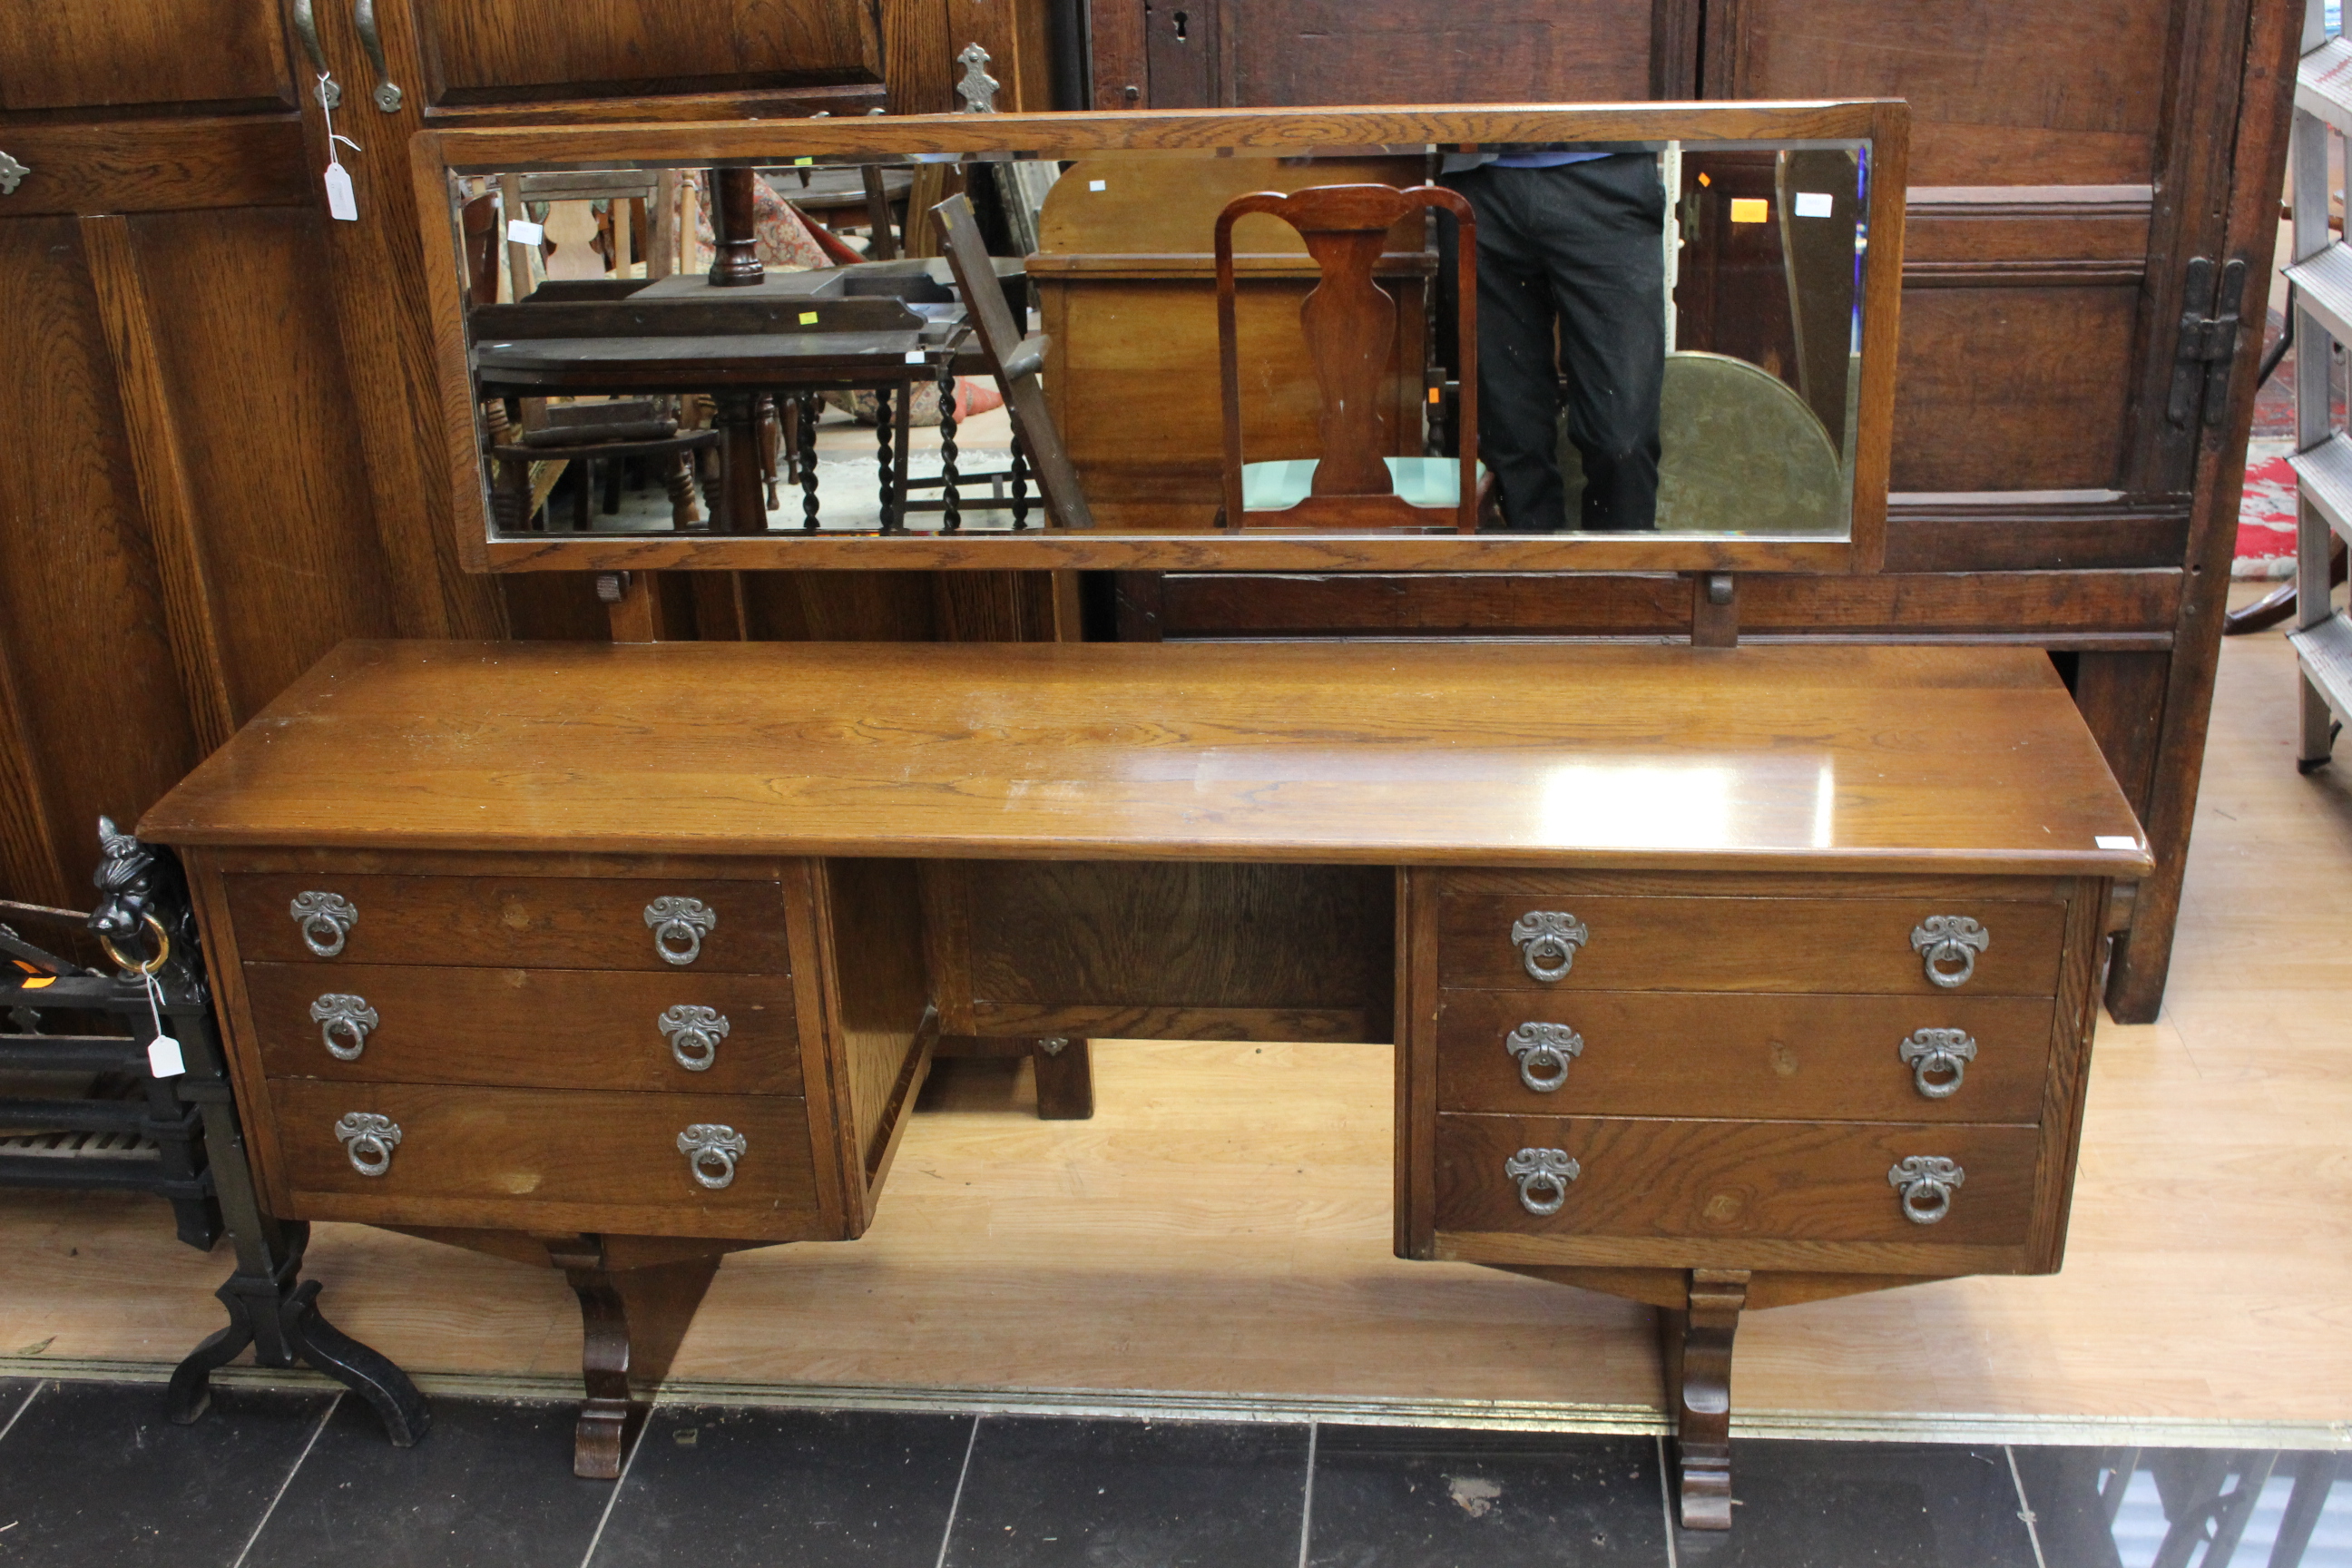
(1947, 946)
(678, 927)
(325, 919)
(712, 1150)
(1925, 1184)
(340, 1012)
(1938, 1060)
(1544, 1051)
(369, 1139)
(694, 1033)
(1543, 1175)
(1547, 941)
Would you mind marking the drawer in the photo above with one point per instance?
(568, 1160)
(1794, 1181)
(526, 1028)
(1861, 945)
(1713, 1054)
(532, 923)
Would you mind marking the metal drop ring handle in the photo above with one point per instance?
(1547, 941)
(340, 1011)
(1947, 946)
(694, 1033)
(1925, 1184)
(326, 919)
(1544, 1170)
(305, 27)
(1938, 1060)
(1544, 1051)
(678, 926)
(387, 95)
(141, 967)
(711, 1151)
(369, 1139)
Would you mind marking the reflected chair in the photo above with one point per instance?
(1350, 322)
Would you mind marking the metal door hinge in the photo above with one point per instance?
(2208, 343)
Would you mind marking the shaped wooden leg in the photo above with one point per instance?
(634, 1319)
(1696, 1344)
(1065, 1079)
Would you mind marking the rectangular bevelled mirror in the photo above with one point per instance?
(1558, 338)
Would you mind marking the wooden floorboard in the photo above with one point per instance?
(1221, 1226)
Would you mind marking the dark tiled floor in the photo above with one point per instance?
(90, 1473)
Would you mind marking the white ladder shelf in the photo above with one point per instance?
(2322, 302)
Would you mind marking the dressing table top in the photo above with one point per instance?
(1758, 758)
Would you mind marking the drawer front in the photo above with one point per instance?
(1861, 945)
(1794, 1181)
(531, 922)
(526, 1028)
(1711, 1054)
(464, 1155)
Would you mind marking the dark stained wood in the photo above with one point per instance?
(1823, 945)
(1449, 755)
(1066, 1082)
(633, 1321)
(1831, 1057)
(1695, 1344)
(2010, 531)
(2136, 982)
(2121, 699)
(1242, 951)
(524, 1028)
(1682, 1184)
(518, 1159)
(543, 921)
(918, 57)
(121, 54)
(482, 52)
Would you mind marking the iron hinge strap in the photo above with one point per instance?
(2207, 340)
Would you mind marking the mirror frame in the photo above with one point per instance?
(439, 157)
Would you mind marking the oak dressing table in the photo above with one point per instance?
(1720, 979)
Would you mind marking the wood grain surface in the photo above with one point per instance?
(1725, 1181)
(1766, 759)
(526, 1028)
(548, 923)
(1821, 944)
(1781, 1058)
(534, 1159)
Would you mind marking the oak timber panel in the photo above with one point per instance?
(526, 1028)
(160, 165)
(95, 54)
(100, 722)
(874, 913)
(1297, 52)
(1818, 945)
(548, 923)
(1756, 1056)
(2015, 388)
(1206, 936)
(2002, 92)
(524, 1159)
(264, 411)
(1715, 1181)
(491, 51)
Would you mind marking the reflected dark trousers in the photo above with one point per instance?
(1570, 254)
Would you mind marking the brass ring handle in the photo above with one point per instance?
(678, 927)
(162, 948)
(694, 1033)
(387, 94)
(1547, 941)
(1938, 1060)
(1544, 1051)
(1947, 946)
(369, 1139)
(351, 1015)
(712, 1150)
(1543, 1175)
(325, 919)
(1924, 1184)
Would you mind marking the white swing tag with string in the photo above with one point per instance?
(342, 203)
(164, 1058)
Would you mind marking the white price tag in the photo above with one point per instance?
(2115, 841)
(340, 202)
(914, 356)
(163, 1058)
(522, 231)
(1093, 185)
(1813, 204)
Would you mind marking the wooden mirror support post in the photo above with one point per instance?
(735, 226)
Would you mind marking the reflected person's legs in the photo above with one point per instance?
(1598, 226)
(1518, 385)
